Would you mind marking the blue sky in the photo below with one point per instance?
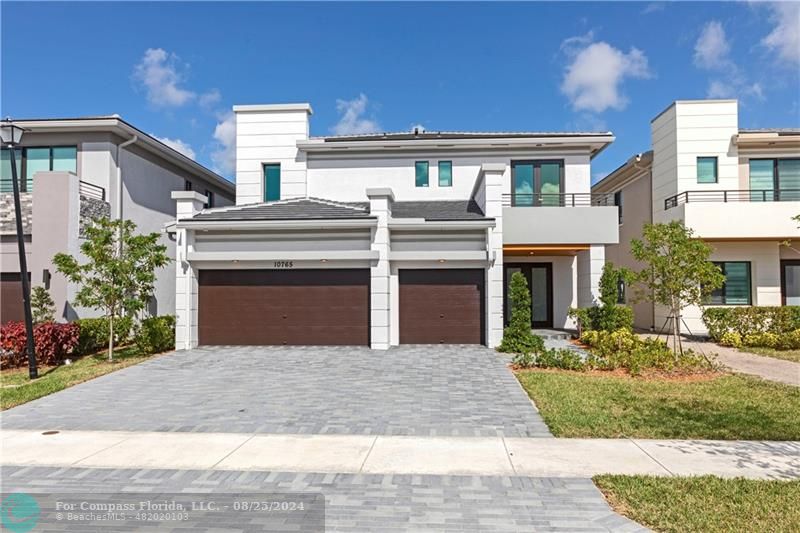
(175, 69)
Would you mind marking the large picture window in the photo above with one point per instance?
(537, 183)
(32, 159)
(737, 287)
(774, 180)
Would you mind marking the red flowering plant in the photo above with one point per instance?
(53, 343)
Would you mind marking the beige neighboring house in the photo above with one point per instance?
(736, 189)
(73, 170)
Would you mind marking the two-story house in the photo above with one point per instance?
(387, 239)
(736, 189)
(74, 170)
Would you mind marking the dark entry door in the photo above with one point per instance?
(540, 283)
(295, 307)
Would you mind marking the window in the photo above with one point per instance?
(210, 196)
(774, 179)
(421, 173)
(445, 173)
(272, 182)
(187, 185)
(36, 159)
(621, 291)
(790, 282)
(706, 170)
(618, 203)
(736, 289)
(537, 182)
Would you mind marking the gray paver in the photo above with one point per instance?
(407, 390)
(358, 502)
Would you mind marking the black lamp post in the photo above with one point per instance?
(11, 134)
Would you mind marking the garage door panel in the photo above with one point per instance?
(297, 307)
(442, 306)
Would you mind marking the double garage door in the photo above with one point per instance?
(332, 307)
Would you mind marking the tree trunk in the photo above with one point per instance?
(111, 337)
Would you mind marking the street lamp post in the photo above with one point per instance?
(11, 134)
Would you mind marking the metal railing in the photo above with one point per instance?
(91, 190)
(767, 195)
(576, 199)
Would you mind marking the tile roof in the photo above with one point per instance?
(321, 209)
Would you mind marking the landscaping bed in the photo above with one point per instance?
(706, 503)
(711, 405)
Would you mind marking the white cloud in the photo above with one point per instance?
(158, 73)
(178, 145)
(653, 7)
(210, 98)
(353, 120)
(224, 157)
(735, 87)
(711, 49)
(785, 37)
(593, 80)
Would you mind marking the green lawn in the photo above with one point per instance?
(16, 388)
(789, 355)
(614, 406)
(705, 503)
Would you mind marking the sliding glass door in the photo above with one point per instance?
(540, 282)
(537, 183)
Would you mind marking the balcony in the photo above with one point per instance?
(736, 214)
(567, 219)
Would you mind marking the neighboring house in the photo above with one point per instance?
(736, 189)
(383, 239)
(70, 171)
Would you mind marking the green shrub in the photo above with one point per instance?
(94, 333)
(731, 338)
(750, 320)
(789, 341)
(608, 316)
(43, 308)
(764, 340)
(517, 336)
(561, 358)
(156, 334)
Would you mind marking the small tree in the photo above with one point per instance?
(119, 276)
(678, 272)
(43, 307)
(517, 336)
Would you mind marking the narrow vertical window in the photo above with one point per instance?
(789, 179)
(762, 179)
(187, 185)
(706, 170)
(618, 203)
(445, 173)
(210, 197)
(272, 182)
(421, 173)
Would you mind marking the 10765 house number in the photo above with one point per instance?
(283, 264)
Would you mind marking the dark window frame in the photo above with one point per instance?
(439, 172)
(537, 180)
(784, 264)
(210, 199)
(621, 291)
(618, 201)
(721, 291)
(187, 185)
(716, 169)
(427, 174)
(776, 176)
(23, 163)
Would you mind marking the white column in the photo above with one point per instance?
(188, 204)
(380, 206)
(590, 268)
(493, 190)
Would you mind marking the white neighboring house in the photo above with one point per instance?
(75, 169)
(387, 239)
(736, 189)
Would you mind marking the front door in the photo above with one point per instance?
(540, 283)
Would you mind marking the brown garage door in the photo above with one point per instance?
(295, 307)
(442, 306)
(11, 298)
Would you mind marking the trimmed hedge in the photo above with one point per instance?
(155, 334)
(53, 342)
(94, 333)
(726, 323)
(603, 318)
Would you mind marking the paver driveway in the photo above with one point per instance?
(409, 390)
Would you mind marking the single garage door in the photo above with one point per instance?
(295, 307)
(11, 308)
(442, 306)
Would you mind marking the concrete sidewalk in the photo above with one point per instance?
(400, 455)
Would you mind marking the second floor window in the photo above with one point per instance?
(618, 203)
(421, 173)
(187, 185)
(777, 179)
(445, 173)
(272, 182)
(210, 197)
(537, 183)
(36, 159)
(706, 170)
